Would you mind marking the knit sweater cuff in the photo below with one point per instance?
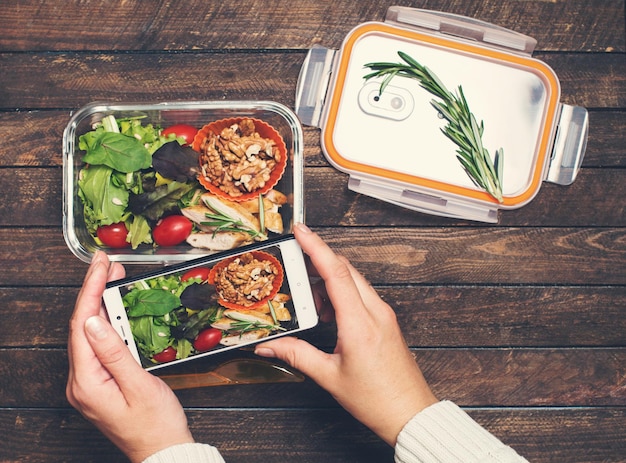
(445, 433)
(186, 453)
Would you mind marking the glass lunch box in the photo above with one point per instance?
(391, 142)
(165, 114)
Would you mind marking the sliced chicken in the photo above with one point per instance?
(221, 241)
(251, 316)
(276, 197)
(252, 205)
(282, 314)
(274, 221)
(224, 323)
(234, 211)
(241, 338)
(278, 303)
(196, 214)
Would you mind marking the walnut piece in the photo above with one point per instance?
(238, 160)
(246, 280)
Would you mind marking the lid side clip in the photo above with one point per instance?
(569, 145)
(313, 84)
(463, 27)
(423, 202)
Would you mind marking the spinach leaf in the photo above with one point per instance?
(156, 302)
(118, 151)
(176, 162)
(164, 198)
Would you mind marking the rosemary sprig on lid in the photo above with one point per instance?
(462, 128)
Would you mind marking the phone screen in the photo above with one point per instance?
(213, 304)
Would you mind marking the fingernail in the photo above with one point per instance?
(265, 352)
(95, 327)
(303, 228)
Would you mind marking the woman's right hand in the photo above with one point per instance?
(371, 372)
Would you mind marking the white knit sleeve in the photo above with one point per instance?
(445, 433)
(187, 453)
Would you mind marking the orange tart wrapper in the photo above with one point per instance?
(266, 131)
(276, 284)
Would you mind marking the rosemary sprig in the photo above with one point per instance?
(262, 213)
(272, 312)
(462, 127)
(223, 222)
(242, 327)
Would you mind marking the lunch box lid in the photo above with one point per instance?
(390, 143)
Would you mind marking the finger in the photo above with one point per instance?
(371, 298)
(115, 356)
(316, 364)
(88, 304)
(116, 272)
(336, 274)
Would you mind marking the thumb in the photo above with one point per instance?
(113, 354)
(316, 364)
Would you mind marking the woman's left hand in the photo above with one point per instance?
(137, 411)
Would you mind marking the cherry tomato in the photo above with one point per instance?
(172, 230)
(207, 339)
(166, 355)
(198, 272)
(185, 131)
(114, 235)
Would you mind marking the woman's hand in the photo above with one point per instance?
(137, 411)
(371, 372)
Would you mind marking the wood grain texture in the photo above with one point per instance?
(585, 201)
(522, 322)
(431, 316)
(72, 79)
(555, 377)
(138, 26)
(573, 256)
(50, 436)
(43, 146)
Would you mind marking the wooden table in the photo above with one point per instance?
(522, 323)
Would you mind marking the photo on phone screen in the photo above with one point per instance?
(212, 304)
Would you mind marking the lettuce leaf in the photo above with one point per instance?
(105, 203)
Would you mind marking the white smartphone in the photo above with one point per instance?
(212, 304)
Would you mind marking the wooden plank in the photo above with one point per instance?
(49, 436)
(70, 80)
(444, 316)
(564, 377)
(596, 197)
(135, 25)
(483, 255)
(42, 147)
(441, 255)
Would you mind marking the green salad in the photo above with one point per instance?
(133, 175)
